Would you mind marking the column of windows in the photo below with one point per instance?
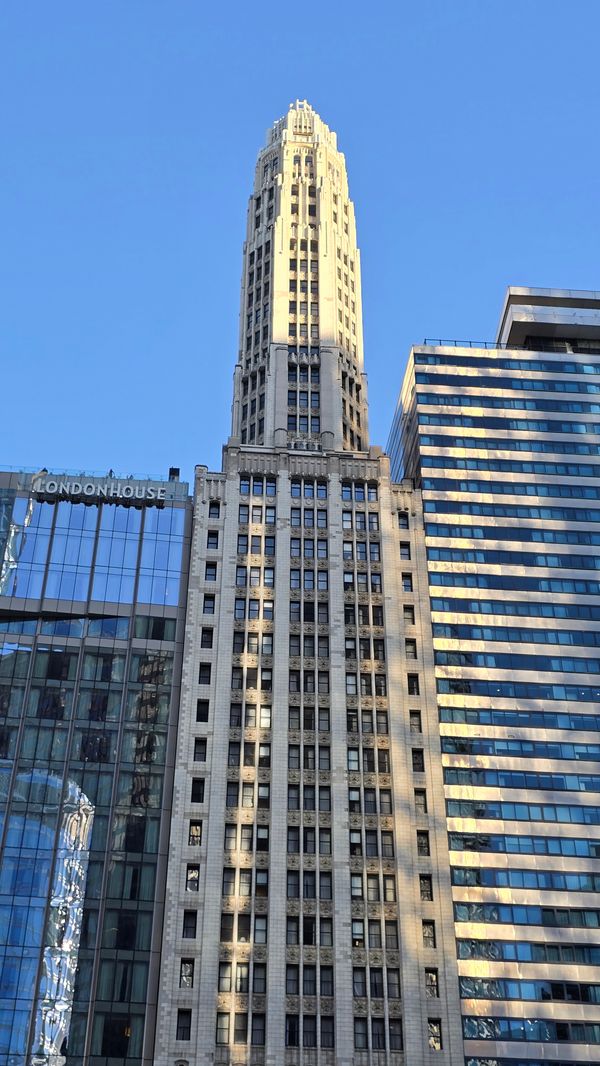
(303, 400)
(258, 289)
(417, 756)
(242, 978)
(373, 885)
(309, 910)
(253, 406)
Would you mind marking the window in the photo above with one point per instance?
(405, 550)
(204, 674)
(412, 681)
(186, 973)
(292, 980)
(429, 940)
(432, 987)
(228, 881)
(309, 1030)
(222, 1032)
(208, 606)
(358, 933)
(395, 1033)
(192, 878)
(422, 843)
(189, 925)
(197, 790)
(224, 977)
(184, 1025)
(324, 841)
(359, 982)
(434, 1029)
(374, 934)
(292, 1030)
(410, 649)
(262, 837)
(387, 844)
(206, 637)
(415, 721)
(210, 572)
(361, 1040)
(378, 1034)
(202, 710)
(199, 749)
(195, 834)
(418, 760)
(212, 539)
(353, 760)
(214, 509)
(426, 887)
(409, 615)
(257, 1037)
(420, 801)
(260, 929)
(407, 584)
(389, 888)
(391, 936)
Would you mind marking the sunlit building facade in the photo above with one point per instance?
(308, 915)
(93, 575)
(503, 441)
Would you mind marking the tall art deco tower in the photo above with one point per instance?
(308, 910)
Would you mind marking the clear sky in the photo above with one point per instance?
(128, 136)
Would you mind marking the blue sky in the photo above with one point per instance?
(129, 131)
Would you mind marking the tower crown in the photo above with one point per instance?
(299, 379)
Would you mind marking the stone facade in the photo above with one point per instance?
(313, 922)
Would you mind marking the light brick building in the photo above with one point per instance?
(309, 913)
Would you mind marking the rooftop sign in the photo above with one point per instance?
(91, 488)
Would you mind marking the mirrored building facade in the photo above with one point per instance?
(92, 592)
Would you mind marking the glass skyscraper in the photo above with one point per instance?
(92, 589)
(503, 442)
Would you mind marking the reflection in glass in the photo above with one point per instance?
(26, 549)
(29, 883)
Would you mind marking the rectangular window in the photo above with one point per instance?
(422, 843)
(434, 1029)
(258, 1026)
(432, 987)
(429, 940)
(361, 1039)
(426, 887)
(418, 760)
(199, 749)
(412, 681)
(189, 924)
(197, 790)
(415, 721)
(222, 1031)
(195, 834)
(186, 973)
(184, 1025)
